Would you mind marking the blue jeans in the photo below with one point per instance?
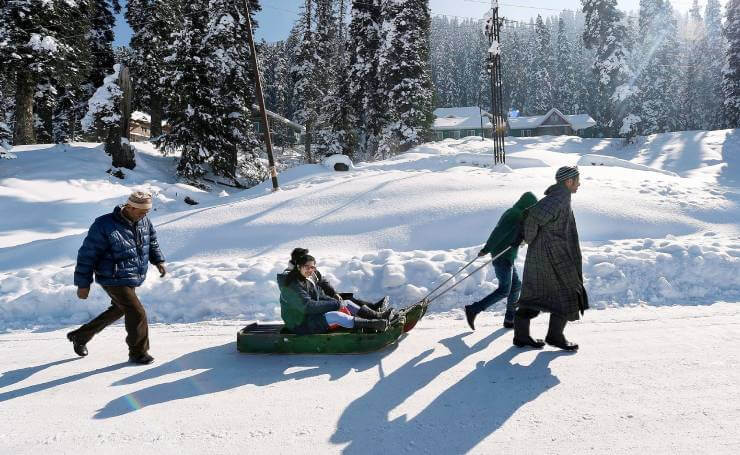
(509, 286)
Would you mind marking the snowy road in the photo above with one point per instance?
(647, 380)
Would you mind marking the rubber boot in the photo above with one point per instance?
(379, 325)
(367, 313)
(141, 359)
(521, 334)
(470, 315)
(381, 304)
(555, 336)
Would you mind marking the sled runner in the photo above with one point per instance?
(260, 338)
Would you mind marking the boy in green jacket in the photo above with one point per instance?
(506, 232)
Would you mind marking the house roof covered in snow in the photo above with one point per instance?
(576, 121)
(143, 117)
(460, 118)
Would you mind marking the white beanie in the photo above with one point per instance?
(140, 200)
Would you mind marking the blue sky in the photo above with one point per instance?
(277, 16)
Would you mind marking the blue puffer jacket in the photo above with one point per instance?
(117, 251)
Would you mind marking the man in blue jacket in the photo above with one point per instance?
(117, 250)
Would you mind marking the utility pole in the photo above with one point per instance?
(498, 121)
(261, 101)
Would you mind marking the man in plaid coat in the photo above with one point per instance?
(553, 272)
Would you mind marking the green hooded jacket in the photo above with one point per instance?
(509, 228)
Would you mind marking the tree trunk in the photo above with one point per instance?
(307, 143)
(117, 143)
(23, 130)
(156, 116)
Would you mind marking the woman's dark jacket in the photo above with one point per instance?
(303, 302)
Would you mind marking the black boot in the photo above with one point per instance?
(379, 325)
(80, 348)
(470, 315)
(521, 334)
(367, 313)
(141, 359)
(381, 304)
(555, 335)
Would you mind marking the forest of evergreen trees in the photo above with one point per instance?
(363, 76)
(642, 72)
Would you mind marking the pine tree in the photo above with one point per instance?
(213, 93)
(364, 46)
(542, 77)
(605, 33)
(153, 22)
(330, 130)
(715, 57)
(274, 63)
(305, 91)
(658, 59)
(39, 38)
(514, 56)
(6, 134)
(565, 88)
(692, 114)
(530, 69)
(404, 74)
(731, 81)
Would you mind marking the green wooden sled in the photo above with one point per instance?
(257, 338)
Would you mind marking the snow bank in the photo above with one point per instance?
(667, 271)
(601, 160)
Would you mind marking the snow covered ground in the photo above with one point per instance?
(646, 380)
(659, 222)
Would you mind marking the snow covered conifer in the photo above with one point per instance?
(404, 76)
(331, 114)
(213, 92)
(5, 135)
(565, 86)
(365, 31)
(605, 33)
(715, 57)
(542, 78)
(104, 116)
(37, 38)
(154, 22)
(305, 89)
(693, 80)
(731, 81)
(658, 58)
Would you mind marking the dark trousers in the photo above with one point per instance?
(524, 315)
(124, 302)
(509, 286)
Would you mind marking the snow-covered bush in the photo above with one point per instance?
(103, 111)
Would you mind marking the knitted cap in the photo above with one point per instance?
(140, 200)
(566, 172)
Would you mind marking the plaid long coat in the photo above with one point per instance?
(553, 271)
